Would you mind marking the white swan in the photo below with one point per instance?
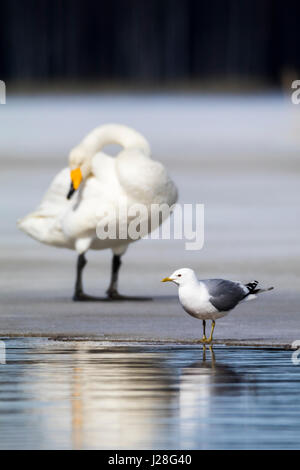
(103, 182)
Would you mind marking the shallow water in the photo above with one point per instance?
(100, 395)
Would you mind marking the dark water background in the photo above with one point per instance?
(99, 395)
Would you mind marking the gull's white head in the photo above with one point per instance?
(181, 276)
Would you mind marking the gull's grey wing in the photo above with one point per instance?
(224, 295)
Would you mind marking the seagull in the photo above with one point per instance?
(210, 299)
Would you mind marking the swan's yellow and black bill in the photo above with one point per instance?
(76, 178)
(166, 279)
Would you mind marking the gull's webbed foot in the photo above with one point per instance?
(203, 340)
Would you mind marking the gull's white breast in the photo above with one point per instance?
(194, 298)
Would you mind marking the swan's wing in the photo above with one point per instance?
(224, 295)
(55, 199)
(144, 179)
(104, 170)
(131, 177)
(44, 224)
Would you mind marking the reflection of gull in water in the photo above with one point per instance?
(203, 379)
(200, 383)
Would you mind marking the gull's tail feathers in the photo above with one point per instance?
(259, 291)
(251, 286)
(252, 290)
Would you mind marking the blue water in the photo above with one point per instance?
(79, 395)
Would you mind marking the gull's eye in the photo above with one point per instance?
(178, 275)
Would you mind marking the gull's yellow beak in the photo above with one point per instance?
(166, 279)
(76, 178)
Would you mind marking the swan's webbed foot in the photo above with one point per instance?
(113, 295)
(82, 297)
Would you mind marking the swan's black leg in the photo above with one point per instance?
(79, 295)
(81, 262)
(112, 291)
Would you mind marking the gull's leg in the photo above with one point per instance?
(79, 295)
(204, 335)
(213, 324)
(112, 291)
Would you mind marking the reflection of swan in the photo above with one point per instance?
(119, 399)
(106, 185)
(87, 395)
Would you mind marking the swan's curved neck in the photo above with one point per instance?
(114, 134)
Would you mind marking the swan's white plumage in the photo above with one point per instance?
(129, 178)
(44, 224)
